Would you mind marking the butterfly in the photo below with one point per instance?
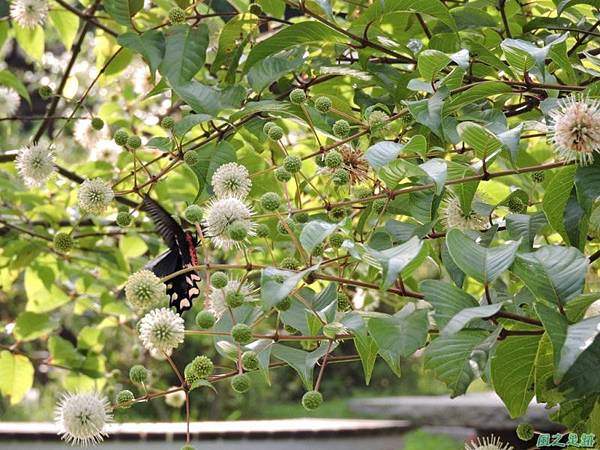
(184, 288)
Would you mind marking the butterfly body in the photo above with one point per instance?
(182, 289)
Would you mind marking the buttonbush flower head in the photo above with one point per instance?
(357, 166)
(454, 217)
(105, 150)
(231, 180)
(94, 196)
(161, 331)
(221, 213)
(9, 101)
(488, 443)
(144, 290)
(85, 134)
(175, 399)
(81, 418)
(35, 164)
(575, 129)
(217, 299)
(29, 13)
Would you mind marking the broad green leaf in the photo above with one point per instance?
(302, 33)
(564, 4)
(150, 44)
(365, 344)
(556, 198)
(10, 80)
(523, 55)
(382, 153)
(456, 360)
(210, 158)
(66, 23)
(483, 264)
(513, 372)
(123, 10)
(262, 347)
(576, 308)
(553, 273)
(434, 8)
(394, 260)
(437, 170)
(277, 284)
(447, 300)
(190, 121)
(232, 33)
(30, 325)
(272, 68)
(465, 192)
(582, 378)
(16, 376)
(525, 227)
(42, 297)
(207, 99)
(132, 246)
(587, 183)
(431, 62)
(474, 94)
(399, 335)
(481, 139)
(315, 232)
(428, 111)
(31, 40)
(462, 318)
(63, 353)
(302, 362)
(185, 52)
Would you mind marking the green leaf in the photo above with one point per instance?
(564, 4)
(382, 153)
(232, 37)
(210, 158)
(207, 99)
(150, 44)
(272, 68)
(553, 273)
(525, 227)
(277, 284)
(556, 198)
(123, 10)
(464, 191)
(457, 359)
(587, 183)
(513, 372)
(185, 52)
(31, 40)
(437, 170)
(16, 376)
(66, 23)
(523, 55)
(8, 79)
(462, 319)
(42, 297)
(303, 33)
(315, 232)
(63, 353)
(132, 246)
(474, 94)
(202, 383)
(365, 344)
(190, 121)
(262, 347)
(302, 362)
(30, 325)
(431, 62)
(399, 335)
(434, 8)
(447, 300)
(394, 260)
(482, 263)
(482, 140)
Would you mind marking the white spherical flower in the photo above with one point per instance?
(175, 399)
(106, 150)
(574, 129)
(81, 418)
(29, 13)
(216, 300)
(86, 135)
(220, 214)
(161, 331)
(144, 290)
(9, 101)
(231, 180)
(454, 217)
(488, 443)
(35, 164)
(94, 196)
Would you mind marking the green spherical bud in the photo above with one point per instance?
(63, 242)
(323, 104)
(240, 383)
(341, 177)
(318, 250)
(250, 360)
(538, 177)
(292, 163)
(205, 319)
(134, 142)
(379, 205)
(124, 396)
(241, 333)
(123, 219)
(234, 299)
(343, 302)
(515, 205)
(45, 92)
(219, 280)
(361, 192)
(336, 240)
(275, 133)
(167, 123)
(377, 120)
(191, 158)
(341, 129)
(193, 214)
(255, 9)
(333, 159)
(525, 431)
(270, 201)
(138, 374)
(320, 160)
(262, 230)
(282, 175)
(297, 96)
(97, 123)
(202, 366)
(301, 217)
(121, 137)
(311, 400)
(289, 263)
(284, 304)
(267, 126)
(290, 223)
(176, 15)
(238, 230)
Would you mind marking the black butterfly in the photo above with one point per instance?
(182, 289)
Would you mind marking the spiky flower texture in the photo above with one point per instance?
(29, 13)
(454, 217)
(221, 213)
(94, 196)
(231, 180)
(574, 129)
(35, 164)
(81, 418)
(144, 290)
(216, 301)
(9, 101)
(488, 443)
(161, 331)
